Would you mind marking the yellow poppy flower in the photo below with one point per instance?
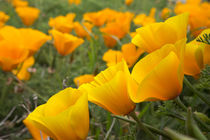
(19, 3)
(36, 133)
(22, 71)
(33, 39)
(159, 75)
(63, 23)
(3, 18)
(83, 31)
(165, 13)
(193, 58)
(109, 90)
(65, 116)
(28, 15)
(65, 43)
(83, 79)
(128, 2)
(143, 20)
(199, 17)
(155, 35)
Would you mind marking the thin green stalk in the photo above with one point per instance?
(153, 129)
(179, 102)
(141, 126)
(110, 129)
(189, 85)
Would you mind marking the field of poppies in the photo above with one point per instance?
(105, 69)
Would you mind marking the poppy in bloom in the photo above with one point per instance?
(83, 30)
(117, 29)
(83, 79)
(143, 19)
(156, 35)
(109, 90)
(63, 23)
(65, 43)
(199, 17)
(128, 2)
(3, 18)
(19, 3)
(65, 116)
(28, 15)
(112, 57)
(36, 133)
(12, 50)
(22, 72)
(159, 75)
(165, 13)
(128, 52)
(33, 39)
(77, 2)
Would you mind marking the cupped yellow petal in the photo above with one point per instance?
(112, 57)
(156, 35)
(109, 90)
(36, 133)
(159, 75)
(64, 116)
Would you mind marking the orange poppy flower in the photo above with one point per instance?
(28, 15)
(77, 2)
(83, 30)
(19, 3)
(128, 2)
(3, 18)
(83, 79)
(165, 13)
(63, 23)
(65, 43)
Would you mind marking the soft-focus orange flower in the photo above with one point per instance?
(28, 15)
(83, 30)
(63, 23)
(101, 17)
(117, 29)
(83, 79)
(143, 20)
(19, 3)
(109, 90)
(132, 34)
(165, 13)
(33, 39)
(159, 75)
(112, 57)
(12, 50)
(128, 2)
(65, 116)
(22, 70)
(65, 43)
(155, 35)
(36, 133)
(131, 53)
(11, 54)
(199, 17)
(77, 2)
(128, 52)
(3, 18)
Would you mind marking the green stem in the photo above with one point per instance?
(189, 85)
(153, 129)
(141, 126)
(179, 102)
